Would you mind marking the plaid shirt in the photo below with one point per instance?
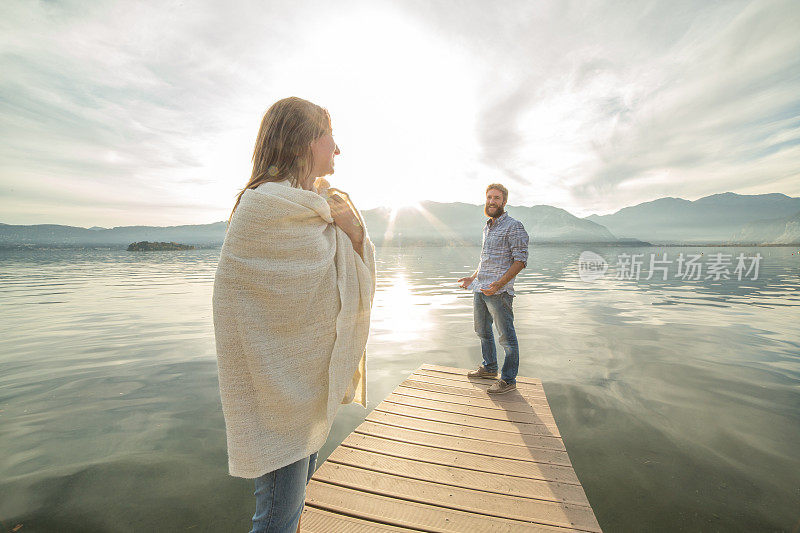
(504, 242)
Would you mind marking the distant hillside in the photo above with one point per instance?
(715, 218)
(436, 223)
(51, 234)
(784, 230)
(721, 218)
(458, 223)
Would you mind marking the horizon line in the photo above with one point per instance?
(404, 208)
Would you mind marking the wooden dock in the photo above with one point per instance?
(440, 454)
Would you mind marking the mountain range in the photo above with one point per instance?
(459, 223)
(726, 218)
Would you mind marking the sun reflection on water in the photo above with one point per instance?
(398, 315)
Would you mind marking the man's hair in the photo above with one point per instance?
(500, 188)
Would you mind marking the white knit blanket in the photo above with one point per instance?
(292, 304)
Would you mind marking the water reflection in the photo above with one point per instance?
(398, 314)
(676, 398)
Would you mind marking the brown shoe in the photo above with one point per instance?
(501, 387)
(481, 372)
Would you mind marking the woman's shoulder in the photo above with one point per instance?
(270, 184)
(279, 199)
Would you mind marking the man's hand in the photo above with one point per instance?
(465, 282)
(512, 271)
(493, 288)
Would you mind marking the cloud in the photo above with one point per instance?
(616, 104)
(587, 106)
(129, 100)
(164, 101)
(727, 105)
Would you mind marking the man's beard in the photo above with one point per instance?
(500, 211)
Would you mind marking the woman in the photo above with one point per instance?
(292, 298)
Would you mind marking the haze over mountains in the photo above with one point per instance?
(458, 223)
(727, 217)
(721, 218)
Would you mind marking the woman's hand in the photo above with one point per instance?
(347, 220)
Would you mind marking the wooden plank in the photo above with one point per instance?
(513, 397)
(540, 409)
(444, 428)
(465, 499)
(466, 378)
(516, 468)
(491, 482)
(524, 428)
(439, 454)
(403, 513)
(463, 372)
(509, 451)
(320, 521)
(481, 385)
(473, 411)
(476, 386)
(463, 378)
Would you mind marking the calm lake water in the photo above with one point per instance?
(678, 400)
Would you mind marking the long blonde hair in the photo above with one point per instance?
(283, 146)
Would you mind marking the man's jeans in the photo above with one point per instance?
(280, 496)
(497, 309)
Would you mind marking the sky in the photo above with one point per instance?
(127, 113)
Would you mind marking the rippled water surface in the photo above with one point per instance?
(678, 400)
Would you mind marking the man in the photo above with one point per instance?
(504, 254)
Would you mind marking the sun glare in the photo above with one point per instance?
(396, 204)
(401, 127)
(397, 315)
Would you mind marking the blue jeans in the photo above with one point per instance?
(280, 496)
(497, 309)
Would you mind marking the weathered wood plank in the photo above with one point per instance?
(320, 521)
(445, 428)
(463, 372)
(512, 397)
(439, 454)
(491, 482)
(525, 428)
(448, 442)
(476, 386)
(540, 409)
(474, 411)
(516, 468)
(403, 513)
(463, 378)
(465, 499)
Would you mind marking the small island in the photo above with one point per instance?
(146, 246)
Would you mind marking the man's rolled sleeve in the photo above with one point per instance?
(518, 242)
